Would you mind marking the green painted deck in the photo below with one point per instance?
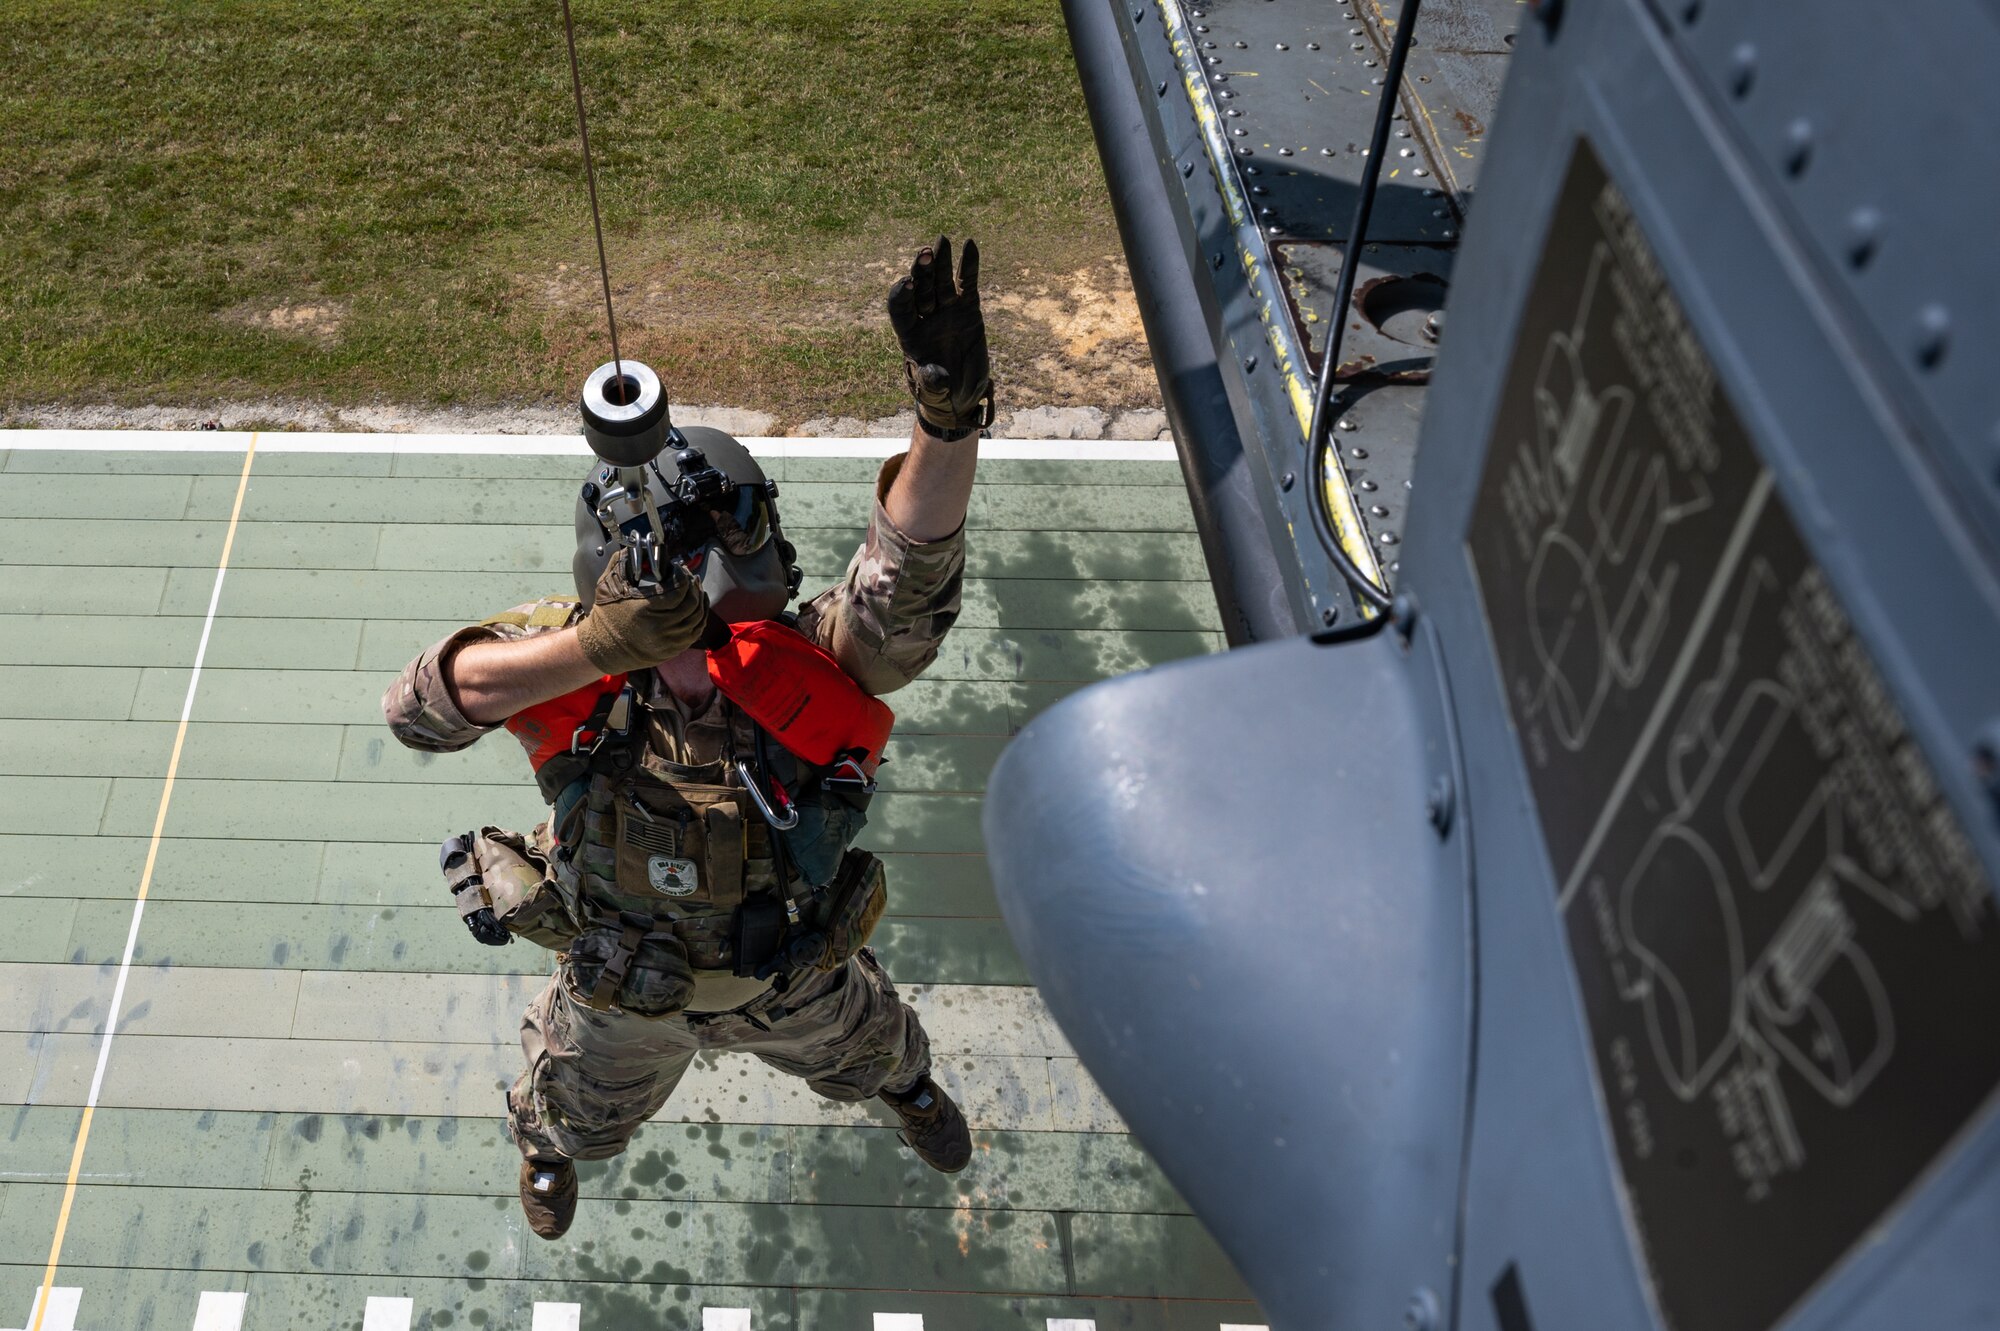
(302, 1099)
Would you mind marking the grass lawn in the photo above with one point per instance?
(353, 200)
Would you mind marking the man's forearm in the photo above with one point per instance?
(493, 680)
(928, 499)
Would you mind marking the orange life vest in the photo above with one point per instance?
(794, 688)
(781, 679)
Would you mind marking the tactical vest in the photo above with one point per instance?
(650, 817)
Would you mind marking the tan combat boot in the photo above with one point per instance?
(934, 1128)
(548, 1195)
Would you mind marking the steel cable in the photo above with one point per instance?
(596, 219)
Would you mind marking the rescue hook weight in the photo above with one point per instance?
(625, 419)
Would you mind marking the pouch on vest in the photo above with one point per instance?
(680, 843)
(760, 934)
(854, 906)
(506, 873)
(825, 829)
(630, 966)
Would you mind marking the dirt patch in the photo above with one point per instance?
(309, 321)
(1075, 338)
(735, 327)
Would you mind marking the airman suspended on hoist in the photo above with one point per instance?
(708, 761)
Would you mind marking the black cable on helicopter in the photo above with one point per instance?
(1317, 434)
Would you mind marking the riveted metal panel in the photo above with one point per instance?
(1777, 922)
(1260, 115)
(1852, 1181)
(1556, 1224)
(1869, 123)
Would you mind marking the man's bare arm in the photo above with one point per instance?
(493, 680)
(928, 499)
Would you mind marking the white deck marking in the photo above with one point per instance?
(1241, 1326)
(558, 445)
(60, 1315)
(558, 1317)
(725, 1319)
(387, 1314)
(139, 906)
(220, 1312)
(1072, 1324)
(40, 1321)
(899, 1322)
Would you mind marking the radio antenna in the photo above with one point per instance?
(617, 385)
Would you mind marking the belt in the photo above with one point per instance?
(770, 1003)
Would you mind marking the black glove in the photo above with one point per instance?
(487, 929)
(944, 341)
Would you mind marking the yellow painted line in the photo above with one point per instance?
(1288, 358)
(139, 905)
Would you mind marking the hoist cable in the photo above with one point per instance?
(596, 219)
(1317, 433)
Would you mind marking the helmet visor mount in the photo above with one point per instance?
(744, 566)
(744, 528)
(742, 575)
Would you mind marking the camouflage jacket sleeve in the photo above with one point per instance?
(419, 707)
(885, 620)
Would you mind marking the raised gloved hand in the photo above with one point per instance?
(943, 336)
(630, 629)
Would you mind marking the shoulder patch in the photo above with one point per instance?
(548, 613)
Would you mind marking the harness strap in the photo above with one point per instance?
(619, 962)
(754, 769)
(611, 718)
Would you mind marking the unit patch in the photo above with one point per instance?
(672, 877)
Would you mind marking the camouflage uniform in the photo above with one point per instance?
(594, 1076)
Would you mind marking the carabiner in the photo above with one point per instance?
(763, 806)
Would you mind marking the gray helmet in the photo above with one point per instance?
(746, 572)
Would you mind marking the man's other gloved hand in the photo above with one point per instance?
(944, 340)
(487, 929)
(627, 629)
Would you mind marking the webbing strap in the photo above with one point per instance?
(602, 723)
(620, 961)
(548, 613)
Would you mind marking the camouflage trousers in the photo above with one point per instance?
(594, 1077)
